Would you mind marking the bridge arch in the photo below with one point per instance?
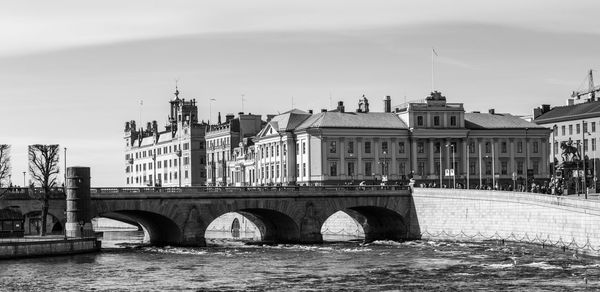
(158, 229)
(33, 220)
(374, 223)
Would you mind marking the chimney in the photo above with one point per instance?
(387, 104)
(240, 113)
(545, 108)
(323, 110)
(570, 101)
(228, 118)
(340, 107)
(219, 118)
(148, 126)
(492, 111)
(270, 117)
(310, 112)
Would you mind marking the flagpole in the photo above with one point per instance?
(432, 70)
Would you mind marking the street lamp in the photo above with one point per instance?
(65, 172)
(583, 128)
(594, 152)
(453, 163)
(554, 130)
(440, 149)
(23, 178)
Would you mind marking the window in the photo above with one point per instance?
(453, 121)
(503, 147)
(367, 146)
(420, 147)
(562, 129)
(384, 147)
(186, 160)
(585, 144)
(186, 146)
(297, 169)
(332, 147)
(436, 121)
(277, 170)
(303, 169)
(421, 168)
(472, 168)
(536, 166)
(520, 147)
(419, 120)
(578, 128)
(186, 174)
(593, 144)
(333, 168)
(585, 127)
(350, 147)
(400, 147)
(520, 167)
(593, 127)
(488, 167)
(436, 147)
(488, 147)
(570, 129)
(471, 147)
(350, 168)
(535, 147)
(436, 167)
(401, 168)
(503, 167)
(368, 169)
(303, 147)
(175, 162)
(272, 150)
(277, 150)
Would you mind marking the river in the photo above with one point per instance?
(379, 266)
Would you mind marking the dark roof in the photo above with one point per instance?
(8, 214)
(353, 120)
(496, 121)
(570, 112)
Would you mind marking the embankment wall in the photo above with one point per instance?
(21, 249)
(496, 215)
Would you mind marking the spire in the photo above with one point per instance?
(176, 90)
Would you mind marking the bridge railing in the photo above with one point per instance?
(333, 188)
(29, 193)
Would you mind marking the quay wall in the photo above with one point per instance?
(22, 249)
(496, 215)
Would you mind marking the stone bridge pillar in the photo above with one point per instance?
(78, 202)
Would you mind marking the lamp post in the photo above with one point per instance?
(493, 167)
(440, 149)
(480, 174)
(24, 179)
(554, 130)
(583, 129)
(453, 171)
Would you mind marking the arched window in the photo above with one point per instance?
(235, 228)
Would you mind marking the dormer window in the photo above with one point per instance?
(420, 121)
(436, 121)
(453, 121)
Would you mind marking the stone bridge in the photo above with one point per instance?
(180, 216)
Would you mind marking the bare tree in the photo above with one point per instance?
(4, 164)
(4, 167)
(43, 169)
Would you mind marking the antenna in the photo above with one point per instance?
(141, 106)
(329, 99)
(433, 55)
(243, 102)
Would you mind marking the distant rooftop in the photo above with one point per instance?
(496, 121)
(570, 112)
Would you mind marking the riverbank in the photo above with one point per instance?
(36, 246)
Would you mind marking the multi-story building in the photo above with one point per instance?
(174, 156)
(575, 122)
(241, 166)
(221, 139)
(430, 141)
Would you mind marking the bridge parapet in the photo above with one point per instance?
(29, 193)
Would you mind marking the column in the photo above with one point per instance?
(513, 163)
(496, 156)
(393, 168)
(465, 156)
(359, 151)
(376, 163)
(308, 159)
(343, 167)
(291, 161)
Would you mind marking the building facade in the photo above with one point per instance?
(434, 141)
(575, 122)
(175, 156)
(222, 139)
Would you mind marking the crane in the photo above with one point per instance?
(591, 89)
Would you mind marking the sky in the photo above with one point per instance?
(72, 72)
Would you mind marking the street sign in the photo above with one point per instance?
(514, 176)
(451, 172)
(447, 172)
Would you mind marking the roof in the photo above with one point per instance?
(373, 120)
(8, 214)
(570, 112)
(497, 121)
